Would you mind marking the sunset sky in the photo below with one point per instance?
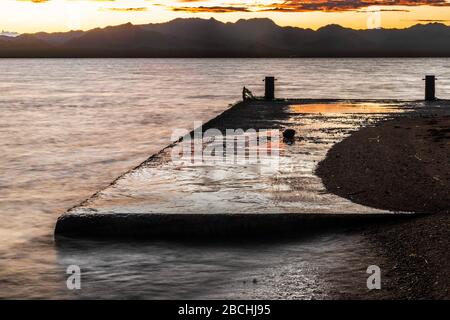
(63, 15)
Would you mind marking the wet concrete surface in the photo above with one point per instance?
(279, 187)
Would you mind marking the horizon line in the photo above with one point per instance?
(419, 23)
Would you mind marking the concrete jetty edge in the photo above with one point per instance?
(174, 226)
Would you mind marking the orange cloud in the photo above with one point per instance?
(214, 9)
(34, 1)
(286, 6)
(127, 9)
(344, 5)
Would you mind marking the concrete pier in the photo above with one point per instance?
(276, 195)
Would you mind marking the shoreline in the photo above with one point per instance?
(401, 163)
(397, 165)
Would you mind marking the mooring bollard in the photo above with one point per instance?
(270, 88)
(430, 88)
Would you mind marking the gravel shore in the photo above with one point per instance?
(401, 165)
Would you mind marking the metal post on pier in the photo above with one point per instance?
(430, 88)
(269, 88)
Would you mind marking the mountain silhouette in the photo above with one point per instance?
(245, 38)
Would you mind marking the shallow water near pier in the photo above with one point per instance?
(69, 127)
(303, 268)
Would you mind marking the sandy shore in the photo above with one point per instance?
(402, 165)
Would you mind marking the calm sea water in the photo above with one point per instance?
(69, 127)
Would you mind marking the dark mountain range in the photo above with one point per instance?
(244, 38)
